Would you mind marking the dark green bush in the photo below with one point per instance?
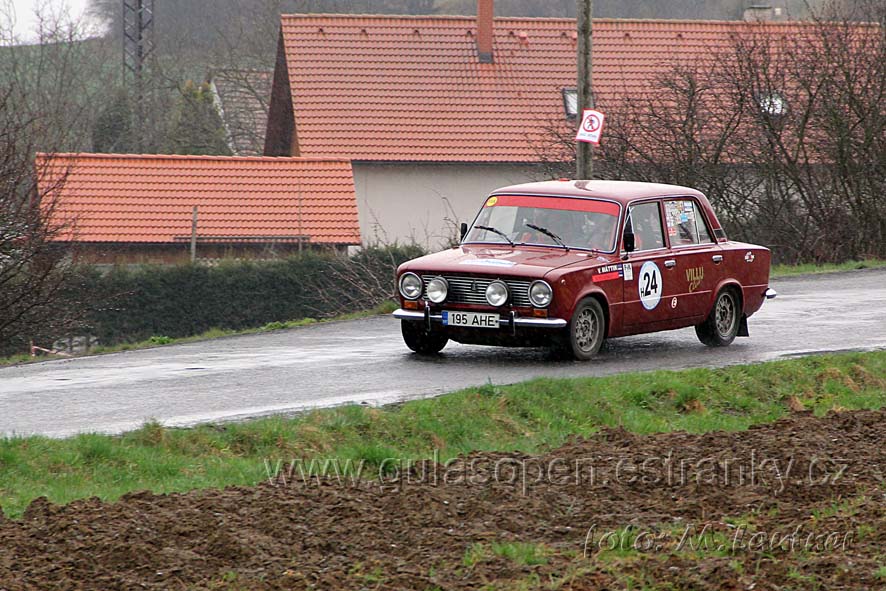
(184, 300)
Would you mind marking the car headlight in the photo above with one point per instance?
(540, 293)
(410, 286)
(437, 289)
(497, 293)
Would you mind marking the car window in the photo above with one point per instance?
(685, 223)
(645, 220)
(579, 223)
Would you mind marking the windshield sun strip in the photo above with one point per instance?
(618, 217)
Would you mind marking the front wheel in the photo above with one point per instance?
(421, 341)
(721, 326)
(586, 330)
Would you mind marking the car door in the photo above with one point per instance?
(694, 257)
(651, 282)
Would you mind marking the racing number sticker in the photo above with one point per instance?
(649, 285)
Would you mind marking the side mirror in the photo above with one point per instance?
(463, 231)
(629, 243)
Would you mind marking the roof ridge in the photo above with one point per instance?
(117, 156)
(416, 16)
(473, 18)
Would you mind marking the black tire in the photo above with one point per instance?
(721, 326)
(586, 331)
(421, 341)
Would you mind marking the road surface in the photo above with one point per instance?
(365, 361)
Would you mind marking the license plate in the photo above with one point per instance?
(471, 319)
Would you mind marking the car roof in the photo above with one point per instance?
(621, 191)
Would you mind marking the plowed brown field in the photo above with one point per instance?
(797, 503)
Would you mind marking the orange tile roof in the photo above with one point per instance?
(412, 88)
(150, 198)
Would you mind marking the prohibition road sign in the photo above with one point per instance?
(591, 126)
(591, 123)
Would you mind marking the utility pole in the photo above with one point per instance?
(584, 151)
(194, 236)
(138, 45)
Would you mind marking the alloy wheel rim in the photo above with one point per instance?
(725, 315)
(586, 329)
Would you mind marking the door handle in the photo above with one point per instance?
(717, 258)
(670, 264)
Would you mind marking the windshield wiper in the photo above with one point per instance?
(556, 238)
(496, 231)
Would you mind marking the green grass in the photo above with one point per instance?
(521, 553)
(161, 340)
(812, 268)
(530, 416)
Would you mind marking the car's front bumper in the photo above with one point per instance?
(511, 319)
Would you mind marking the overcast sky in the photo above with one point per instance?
(22, 14)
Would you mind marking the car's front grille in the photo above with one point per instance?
(472, 290)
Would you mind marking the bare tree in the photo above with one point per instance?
(42, 108)
(785, 133)
(817, 129)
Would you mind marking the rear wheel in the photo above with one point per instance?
(421, 341)
(721, 326)
(586, 330)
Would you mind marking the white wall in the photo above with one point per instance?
(424, 202)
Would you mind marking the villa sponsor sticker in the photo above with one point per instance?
(694, 277)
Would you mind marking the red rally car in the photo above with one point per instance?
(569, 263)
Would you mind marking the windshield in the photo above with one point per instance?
(579, 223)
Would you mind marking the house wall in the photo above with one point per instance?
(424, 202)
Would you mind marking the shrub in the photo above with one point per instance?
(184, 300)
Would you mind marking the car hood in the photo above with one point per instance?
(517, 261)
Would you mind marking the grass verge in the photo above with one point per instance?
(160, 340)
(813, 269)
(530, 416)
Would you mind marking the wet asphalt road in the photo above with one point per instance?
(365, 361)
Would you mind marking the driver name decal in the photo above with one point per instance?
(608, 272)
(650, 285)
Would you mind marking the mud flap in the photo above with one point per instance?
(743, 327)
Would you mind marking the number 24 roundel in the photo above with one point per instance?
(650, 285)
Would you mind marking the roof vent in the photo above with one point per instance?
(759, 12)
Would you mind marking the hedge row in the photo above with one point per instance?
(184, 300)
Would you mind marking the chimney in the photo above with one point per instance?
(485, 13)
